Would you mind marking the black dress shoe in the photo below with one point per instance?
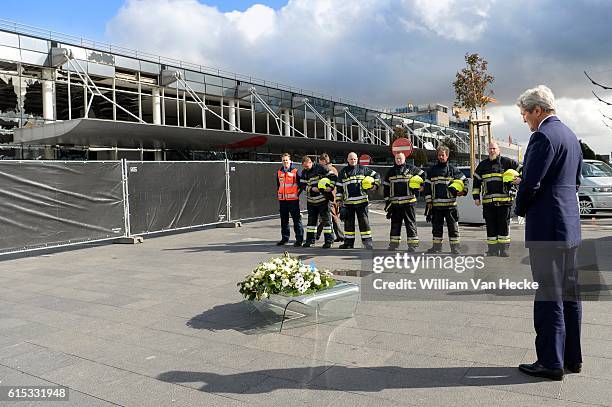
(298, 244)
(307, 244)
(339, 239)
(574, 368)
(503, 253)
(281, 243)
(327, 245)
(537, 370)
(345, 246)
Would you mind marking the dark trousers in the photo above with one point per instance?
(361, 213)
(497, 218)
(557, 310)
(403, 214)
(314, 213)
(291, 208)
(438, 215)
(335, 219)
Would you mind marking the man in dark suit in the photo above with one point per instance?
(547, 199)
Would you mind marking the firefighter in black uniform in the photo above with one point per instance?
(494, 188)
(317, 180)
(354, 181)
(400, 186)
(444, 183)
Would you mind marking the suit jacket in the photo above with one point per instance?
(547, 194)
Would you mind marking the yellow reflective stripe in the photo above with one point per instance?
(355, 202)
(349, 233)
(413, 241)
(441, 178)
(367, 232)
(403, 201)
(445, 203)
(437, 240)
(492, 174)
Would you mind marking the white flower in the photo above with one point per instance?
(317, 280)
(306, 285)
(302, 289)
(286, 282)
(272, 276)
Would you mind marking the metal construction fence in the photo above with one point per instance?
(45, 204)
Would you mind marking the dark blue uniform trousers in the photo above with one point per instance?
(557, 310)
(291, 208)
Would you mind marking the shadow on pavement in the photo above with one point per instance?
(351, 379)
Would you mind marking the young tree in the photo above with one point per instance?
(472, 85)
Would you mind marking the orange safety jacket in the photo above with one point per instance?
(287, 184)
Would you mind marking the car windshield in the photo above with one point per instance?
(596, 170)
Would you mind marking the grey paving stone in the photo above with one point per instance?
(583, 389)
(509, 378)
(159, 319)
(286, 392)
(136, 390)
(39, 361)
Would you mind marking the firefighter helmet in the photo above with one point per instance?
(456, 186)
(367, 183)
(415, 182)
(510, 175)
(324, 183)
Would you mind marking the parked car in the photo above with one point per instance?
(595, 192)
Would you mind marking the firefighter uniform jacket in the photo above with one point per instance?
(348, 186)
(396, 187)
(310, 179)
(287, 182)
(436, 185)
(488, 181)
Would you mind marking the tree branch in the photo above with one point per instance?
(601, 100)
(595, 83)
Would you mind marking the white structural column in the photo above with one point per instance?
(360, 134)
(387, 137)
(48, 85)
(156, 106)
(232, 114)
(286, 122)
(328, 129)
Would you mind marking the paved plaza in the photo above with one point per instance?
(162, 323)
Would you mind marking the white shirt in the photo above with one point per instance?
(543, 120)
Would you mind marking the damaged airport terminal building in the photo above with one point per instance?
(63, 97)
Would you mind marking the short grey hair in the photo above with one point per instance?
(540, 96)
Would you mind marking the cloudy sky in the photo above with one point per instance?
(382, 53)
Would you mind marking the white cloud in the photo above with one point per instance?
(386, 52)
(453, 19)
(583, 116)
(257, 21)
